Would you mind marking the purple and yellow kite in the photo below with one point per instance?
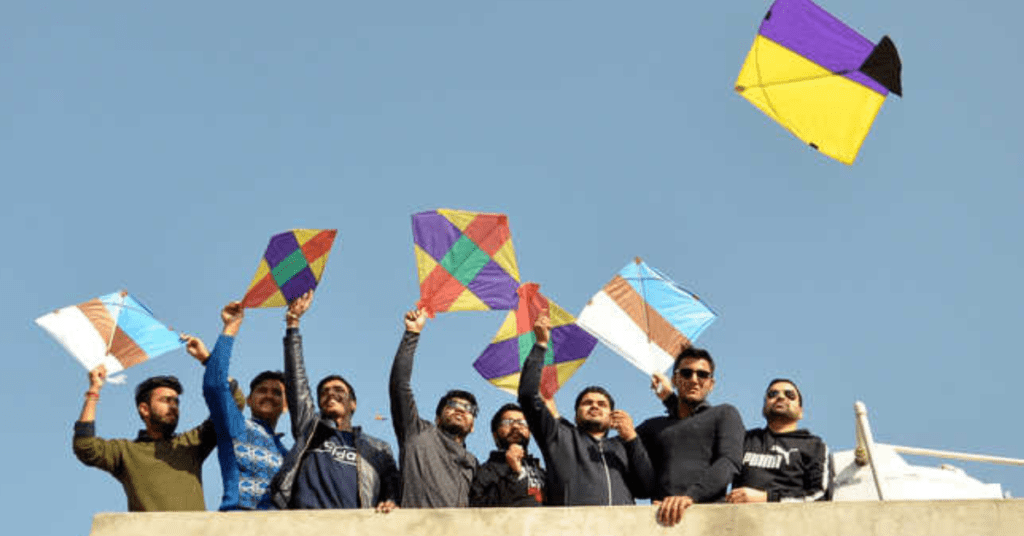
(292, 265)
(502, 360)
(819, 78)
(465, 261)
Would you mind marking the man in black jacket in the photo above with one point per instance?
(332, 464)
(510, 477)
(584, 466)
(696, 450)
(436, 467)
(781, 462)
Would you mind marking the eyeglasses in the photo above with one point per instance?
(337, 390)
(774, 393)
(465, 407)
(513, 422)
(687, 373)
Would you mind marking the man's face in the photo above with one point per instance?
(457, 417)
(594, 412)
(688, 380)
(336, 400)
(267, 401)
(512, 430)
(782, 401)
(161, 412)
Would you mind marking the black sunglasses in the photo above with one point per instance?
(687, 373)
(789, 393)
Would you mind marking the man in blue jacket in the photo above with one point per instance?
(332, 464)
(249, 450)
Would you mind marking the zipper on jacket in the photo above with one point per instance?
(607, 475)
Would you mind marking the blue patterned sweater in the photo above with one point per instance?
(249, 451)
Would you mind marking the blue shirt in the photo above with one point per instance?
(328, 477)
(249, 451)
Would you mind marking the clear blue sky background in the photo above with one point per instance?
(157, 147)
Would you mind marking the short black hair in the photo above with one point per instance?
(455, 393)
(351, 391)
(594, 389)
(496, 420)
(692, 352)
(264, 376)
(800, 396)
(145, 389)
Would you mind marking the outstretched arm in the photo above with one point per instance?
(226, 416)
(404, 415)
(543, 423)
(297, 391)
(97, 377)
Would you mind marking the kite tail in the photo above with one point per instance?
(120, 379)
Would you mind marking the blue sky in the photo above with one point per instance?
(156, 148)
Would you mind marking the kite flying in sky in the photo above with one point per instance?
(113, 330)
(292, 264)
(818, 78)
(501, 362)
(645, 317)
(465, 261)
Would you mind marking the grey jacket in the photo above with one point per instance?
(378, 475)
(581, 470)
(436, 469)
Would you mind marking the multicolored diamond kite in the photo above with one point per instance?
(465, 261)
(501, 362)
(292, 265)
(114, 330)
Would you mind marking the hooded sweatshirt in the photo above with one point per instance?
(789, 466)
(581, 469)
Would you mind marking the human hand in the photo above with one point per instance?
(514, 456)
(671, 509)
(623, 424)
(542, 329)
(746, 495)
(97, 377)
(661, 386)
(385, 507)
(232, 315)
(195, 348)
(297, 308)
(415, 320)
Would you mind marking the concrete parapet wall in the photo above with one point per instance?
(1003, 517)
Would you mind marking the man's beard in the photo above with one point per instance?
(590, 427)
(504, 444)
(454, 428)
(166, 428)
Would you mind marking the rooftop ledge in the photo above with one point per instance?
(994, 517)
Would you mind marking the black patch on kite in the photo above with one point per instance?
(883, 66)
(768, 15)
(814, 145)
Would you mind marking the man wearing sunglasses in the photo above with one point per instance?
(585, 467)
(696, 450)
(510, 477)
(781, 462)
(332, 464)
(436, 467)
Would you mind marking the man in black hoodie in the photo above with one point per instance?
(584, 466)
(781, 462)
(696, 449)
(510, 477)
